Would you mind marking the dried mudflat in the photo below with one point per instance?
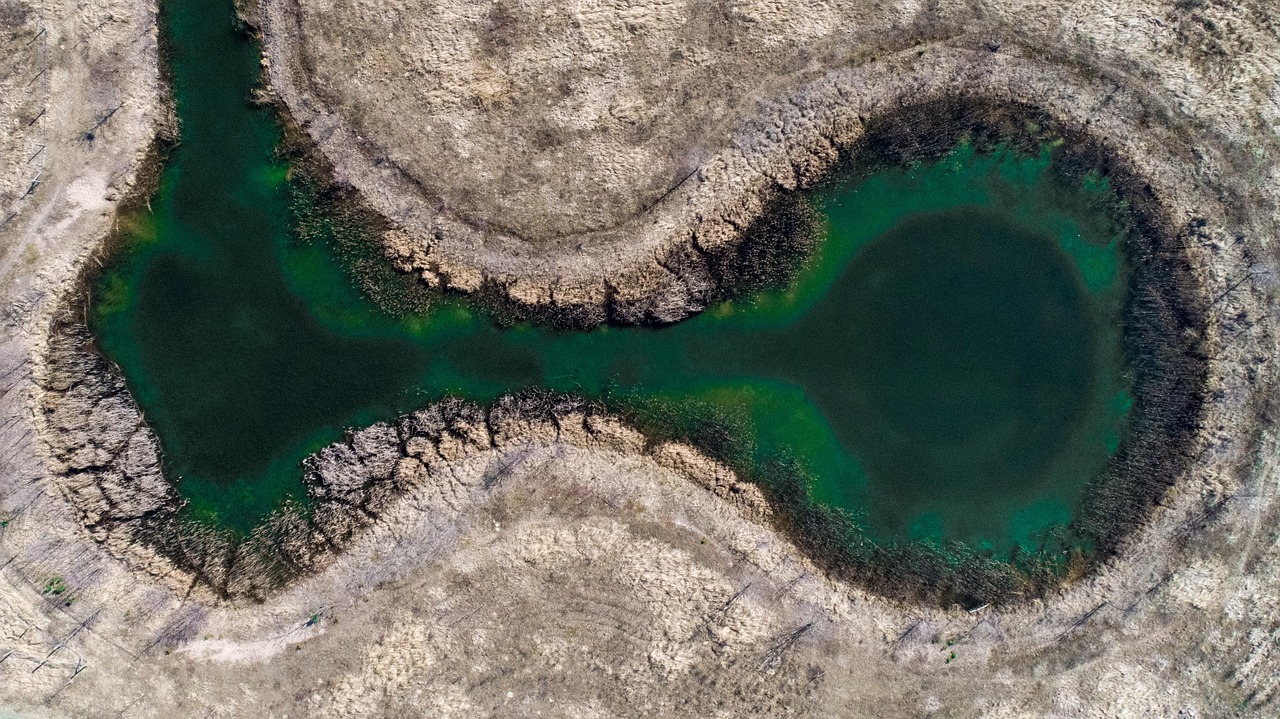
(539, 568)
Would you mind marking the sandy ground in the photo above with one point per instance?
(554, 574)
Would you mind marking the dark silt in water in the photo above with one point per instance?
(949, 365)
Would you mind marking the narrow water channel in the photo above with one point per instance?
(950, 365)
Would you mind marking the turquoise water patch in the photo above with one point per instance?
(948, 366)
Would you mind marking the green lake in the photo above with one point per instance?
(950, 364)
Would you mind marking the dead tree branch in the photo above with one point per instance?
(1080, 621)
(774, 656)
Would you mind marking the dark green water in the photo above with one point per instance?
(949, 366)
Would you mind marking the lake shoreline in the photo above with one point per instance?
(290, 543)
